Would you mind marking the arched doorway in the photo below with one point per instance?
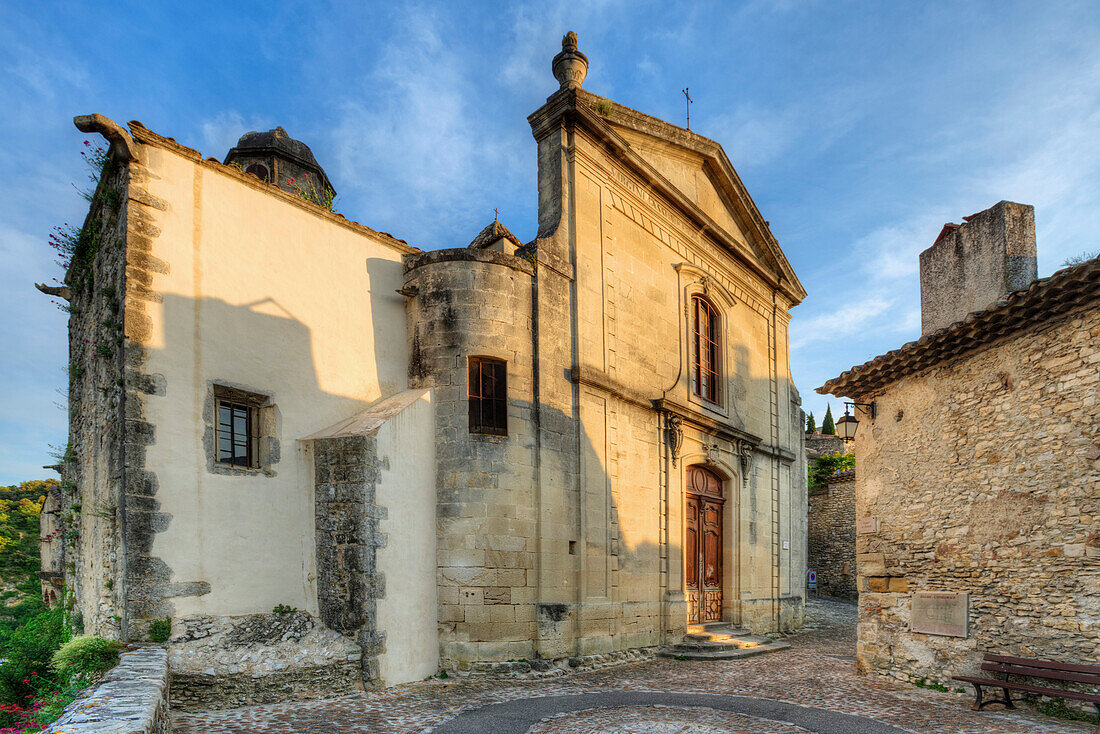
(703, 545)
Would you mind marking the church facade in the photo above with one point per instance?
(325, 457)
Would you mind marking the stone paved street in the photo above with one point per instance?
(754, 695)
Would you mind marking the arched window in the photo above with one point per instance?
(705, 349)
(258, 170)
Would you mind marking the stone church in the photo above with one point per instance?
(327, 457)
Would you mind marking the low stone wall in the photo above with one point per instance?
(133, 698)
(221, 662)
(818, 445)
(832, 541)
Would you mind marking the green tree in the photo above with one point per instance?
(823, 467)
(811, 425)
(20, 590)
(828, 428)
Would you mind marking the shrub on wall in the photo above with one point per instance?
(825, 466)
(86, 656)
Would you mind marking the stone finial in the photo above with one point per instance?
(570, 66)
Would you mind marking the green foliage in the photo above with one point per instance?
(828, 428)
(160, 630)
(323, 197)
(49, 706)
(825, 466)
(20, 506)
(283, 609)
(26, 653)
(811, 425)
(86, 656)
(932, 686)
(1058, 708)
(602, 107)
(76, 247)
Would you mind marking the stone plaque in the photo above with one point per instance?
(866, 524)
(940, 613)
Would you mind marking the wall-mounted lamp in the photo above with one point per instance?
(846, 426)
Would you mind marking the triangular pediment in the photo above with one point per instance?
(698, 171)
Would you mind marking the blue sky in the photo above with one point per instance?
(859, 129)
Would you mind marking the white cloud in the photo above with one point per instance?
(536, 27)
(221, 132)
(841, 321)
(753, 136)
(421, 150)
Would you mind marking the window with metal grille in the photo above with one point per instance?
(237, 434)
(704, 349)
(488, 396)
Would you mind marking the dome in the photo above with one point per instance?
(276, 157)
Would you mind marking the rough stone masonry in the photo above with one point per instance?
(980, 474)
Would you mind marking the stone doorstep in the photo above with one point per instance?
(718, 641)
(719, 635)
(729, 653)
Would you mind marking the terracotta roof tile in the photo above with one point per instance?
(1044, 299)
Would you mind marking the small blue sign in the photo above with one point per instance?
(813, 579)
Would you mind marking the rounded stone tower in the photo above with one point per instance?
(277, 158)
(470, 339)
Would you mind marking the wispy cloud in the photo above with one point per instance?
(222, 131)
(419, 146)
(843, 320)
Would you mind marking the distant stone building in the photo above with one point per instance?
(819, 444)
(978, 477)
(462, 458)
(831, 548)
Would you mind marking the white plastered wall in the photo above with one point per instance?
(270, 296)
(406, 488)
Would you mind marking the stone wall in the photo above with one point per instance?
(977, 262)
(478, 303)
(348, 582)
(832, 536)
(260, 658)
(818, 445)
(91, 515)
(132, 698)
(983, 476)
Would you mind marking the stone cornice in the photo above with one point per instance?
(576, 106)
(415, 260)
(706, 422)
(145, 136)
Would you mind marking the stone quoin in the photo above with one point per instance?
(331, 459)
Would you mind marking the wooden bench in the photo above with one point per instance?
(1043, 669)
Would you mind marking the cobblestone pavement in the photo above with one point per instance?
(818, 672)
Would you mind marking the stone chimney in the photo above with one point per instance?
(973, 264)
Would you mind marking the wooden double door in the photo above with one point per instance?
(703, 546)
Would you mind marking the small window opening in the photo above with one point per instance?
(488, 396)
(258, 170)
(237, 425)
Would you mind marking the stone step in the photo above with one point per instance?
(692, 642)
(718, 634)
(727, 652)
(707, 627)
